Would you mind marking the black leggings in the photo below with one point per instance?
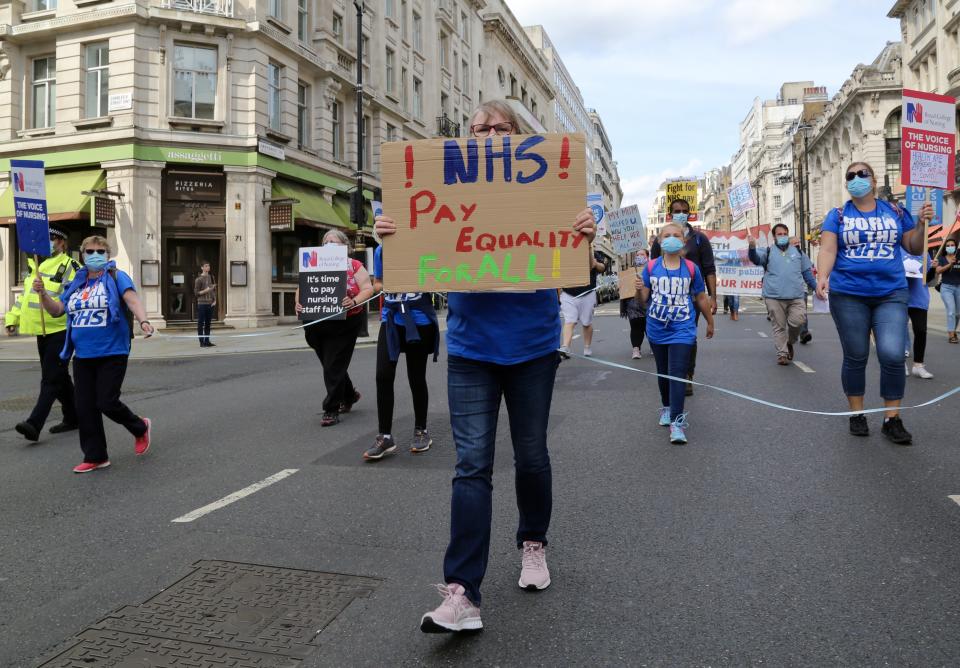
(417, 353)
(638, 329)
(918, 318)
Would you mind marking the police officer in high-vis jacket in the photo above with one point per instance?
(55, 384)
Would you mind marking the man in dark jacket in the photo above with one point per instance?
(699, 251)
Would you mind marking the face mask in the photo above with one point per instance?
(53, 248)
(671, 245)
(783, 242)
(680, 218)
(951, 249)
(643, 259)
(859, 186)
(96, 261)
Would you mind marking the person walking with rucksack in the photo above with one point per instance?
(785, 270)
(671, 290)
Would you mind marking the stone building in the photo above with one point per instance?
(715, 207)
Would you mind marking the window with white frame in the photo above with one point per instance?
(42, 5)
(391, 70)
(390, 9)
(417, 98)
(44, 89)
(444, 50)
(303, 115)
(303, 20)
(464, 27)
(404, 20)
(417, 32)
(777, 201)
(194, 81)
(275, 9)
(465, 69)
(274, 75)
(391, 132)
(336, 27)
(336, 124)
(96, 85)
(404, 91)
(365, 46)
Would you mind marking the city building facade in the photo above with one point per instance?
(715, 207)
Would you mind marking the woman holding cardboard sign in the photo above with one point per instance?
(499, 345)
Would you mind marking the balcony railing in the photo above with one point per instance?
(446, 127)
(213, 7)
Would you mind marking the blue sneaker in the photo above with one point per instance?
(678, 429)
(665, 416)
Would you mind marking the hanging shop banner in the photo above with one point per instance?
(736, 275)
(323, 282)
(741, 199)
(685, 190)
(103, 211)
(627, 232)
(30, 206)
(928, 139)
(485, 214)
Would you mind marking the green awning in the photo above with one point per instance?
(312, 207)
(341, 205)
(65, 198)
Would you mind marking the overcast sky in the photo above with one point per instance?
(673, 80)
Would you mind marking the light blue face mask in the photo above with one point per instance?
(53, 248)
(782, 241)
(859, 186)
(96, 261)
(680, 218)
(671, 245)
(951, 249)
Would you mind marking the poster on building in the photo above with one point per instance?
(928, 139)
(595, 204)
(741, 199)
(627, 232)
(30, 206)
(685, 190)
(492, 214)
(736, 275)
(323, 282)
(628, 283)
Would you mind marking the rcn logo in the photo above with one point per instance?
(18, 182)
(914, 112)
(308, 260)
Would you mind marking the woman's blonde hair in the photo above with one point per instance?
(340, 237)
(96, 239)
(491, 107)
(676, 226)
(873, 174)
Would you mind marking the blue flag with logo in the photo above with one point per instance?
(30, 206)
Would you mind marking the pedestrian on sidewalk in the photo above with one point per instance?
(205, 290)
(917, 306)
(409, 325)
(697, 248)
(578, 304)
(948, 268)
(630, 309)
(99, 303)
(334, 340)
(57, 271)
(861, 266)
(785, 270)
(501, 347)
(805, 335)
(671, 289)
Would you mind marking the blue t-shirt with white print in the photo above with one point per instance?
(869, 258)
(92, 332)
(671, 313)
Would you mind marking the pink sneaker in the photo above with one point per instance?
(534, 574)
(142, 444)
(456, 613)
(86, 467)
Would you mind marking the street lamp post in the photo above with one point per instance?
(357, 213)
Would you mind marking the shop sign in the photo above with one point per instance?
(191, 155)
(272, 150)
(281, 217)
(196, 186)
(103, 212)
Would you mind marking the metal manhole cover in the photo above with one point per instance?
(223, 613)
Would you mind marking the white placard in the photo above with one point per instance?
(119, 102)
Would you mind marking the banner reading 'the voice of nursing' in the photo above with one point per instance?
(485, 214)
(30, 206)
(928, 139)
(736, 275)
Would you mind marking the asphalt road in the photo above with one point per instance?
(774, 538)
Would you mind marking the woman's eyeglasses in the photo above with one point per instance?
(862, 173)
(95, 251)
(483, 130)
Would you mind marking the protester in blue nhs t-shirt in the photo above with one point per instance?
(499, 345)
(861, 265)
(672, 289)
(98, 338)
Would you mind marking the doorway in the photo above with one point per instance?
(182, 266)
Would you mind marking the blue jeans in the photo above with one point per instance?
(673, 360)
(855, 317)
(474, 391)
(950, 294)
(732, 302)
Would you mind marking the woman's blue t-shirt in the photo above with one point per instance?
(419, 317)
(91, 331)
(869, 259)
(919, 292)
(671, 314)
(503, 327)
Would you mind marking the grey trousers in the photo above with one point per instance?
(787, 317)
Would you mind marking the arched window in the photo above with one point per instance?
(891, 141)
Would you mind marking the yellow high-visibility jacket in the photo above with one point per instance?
(57, 272)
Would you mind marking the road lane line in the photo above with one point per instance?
(956, 498)
(236, 496)
(803, 367)
(763, 334)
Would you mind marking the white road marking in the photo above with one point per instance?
(575, 337)
(763, 334)
(956, 498)
(803, 367)
(236, 496)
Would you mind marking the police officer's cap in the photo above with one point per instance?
(57, 231)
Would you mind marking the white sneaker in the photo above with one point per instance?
(587, 352)
(564, 352)
(920, 371)
(534, 574)
(636, 354)
(906, 366)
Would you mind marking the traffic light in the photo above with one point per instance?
(358, 214)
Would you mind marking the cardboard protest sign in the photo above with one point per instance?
(485, 214)
(627, 232)
(686, 190)
(323, 282)
(928, 139)
(741, 199)
(736, 275)
(30, 206)
(628, 283)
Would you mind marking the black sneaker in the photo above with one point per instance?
(382, 445)
(421, 441)
(894, 431)
(62, 427)
(806, 338)
(859, 426)
(28, 430)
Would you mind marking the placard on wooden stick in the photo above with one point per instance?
(492, 214)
